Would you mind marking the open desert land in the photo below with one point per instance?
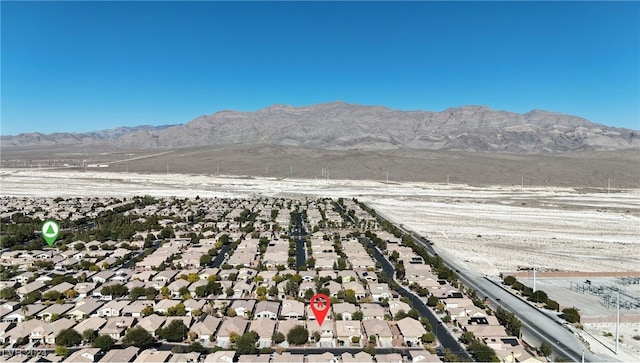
(492, 229)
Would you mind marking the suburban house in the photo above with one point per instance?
(327, 333)
(206, 329)
(396, 306)
(267, 309)
(421, 355)
(151, 323)
(221, 356)
(346, 330)
(112, 308)
(135, 308)
(372, 311)
(380, 292)
(117, 327)
(57, 310)
(381, 330)
(345, 310)
(84, 308)
(85, 355)
(243, 308)
(265, 328)
(412, 331)
(120, 355)
(357, 288)
(231, 325)
(152, 356)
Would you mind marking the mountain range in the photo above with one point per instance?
(342, 126)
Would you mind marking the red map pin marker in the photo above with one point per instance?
(320, 304)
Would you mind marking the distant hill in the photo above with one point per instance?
(342, 126)
(67, 138)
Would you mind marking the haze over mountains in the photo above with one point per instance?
(342, 126)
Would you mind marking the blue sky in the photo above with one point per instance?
(81, 66)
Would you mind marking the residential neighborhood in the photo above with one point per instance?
(221, 280)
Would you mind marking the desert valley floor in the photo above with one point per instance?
(492, 229)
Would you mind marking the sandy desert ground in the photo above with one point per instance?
(493, 229)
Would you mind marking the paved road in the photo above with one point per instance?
(444, 336)
(542, 325)
(221, 256)
(299, 236)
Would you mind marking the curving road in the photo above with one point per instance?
(536, 323)
(442, 334)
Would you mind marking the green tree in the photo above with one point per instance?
(539, 296)
(104, 342)
(116, 290)
(432, 301)
(246, 344)
(571, 315)
(167, 233)
(428, 338)
(369, 350)
(350, 296)
(401, 314)
(178, 310)
(51, 295)
(196, 347)
(508, 319)
(8, 293)
(278, 338)
(89, 335)
(467, 337)
(509, 280)
(138, 337)
(68, 338)
(61, 351)
(205, 260)
(482, 352)
(298, 335)
(308, 294)
(545, 349)
(552, 305)
(175, 331)
(414, 314)
(358, 315)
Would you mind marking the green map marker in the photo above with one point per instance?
(50, 231)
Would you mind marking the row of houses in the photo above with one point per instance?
(132, 354)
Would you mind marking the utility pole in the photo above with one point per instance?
(534, 277)
(617, 320)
